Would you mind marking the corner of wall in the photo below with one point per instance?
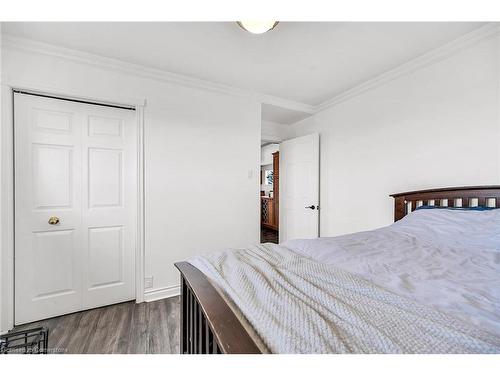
(1, 247)
(498, 102)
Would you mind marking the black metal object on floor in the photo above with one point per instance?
(30, 341)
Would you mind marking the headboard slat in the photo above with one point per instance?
(451, 194)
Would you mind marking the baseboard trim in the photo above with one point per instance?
(161, 293)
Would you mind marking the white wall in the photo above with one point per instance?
(194, 139)
(274, 132)
(2, 323)
(435, 127)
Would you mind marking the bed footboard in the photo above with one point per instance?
(208, 325)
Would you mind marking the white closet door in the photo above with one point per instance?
(109, 205)
(48, 258)
(75, 163)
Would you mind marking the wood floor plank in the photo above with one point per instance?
(173, 315)
(138, 343)
(159, 341)
(107, 328)
(63, 332)
(83, 336)
(122, 328)
(98, 333)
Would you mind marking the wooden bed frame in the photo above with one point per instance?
(209, 325)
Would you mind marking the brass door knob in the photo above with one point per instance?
(53, 220)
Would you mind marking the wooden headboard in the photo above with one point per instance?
(466, 196)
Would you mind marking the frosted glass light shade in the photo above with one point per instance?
(257, 27)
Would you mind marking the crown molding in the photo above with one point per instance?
(85, 58)
(437, 54)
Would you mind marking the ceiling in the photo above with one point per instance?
(307, 62)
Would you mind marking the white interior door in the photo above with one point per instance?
(75, 163)
(299, 188)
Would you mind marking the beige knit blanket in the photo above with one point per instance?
(298, 305)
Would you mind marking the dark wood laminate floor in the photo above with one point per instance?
(268, 235)
(122, 328)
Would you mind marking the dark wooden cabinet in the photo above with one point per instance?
(270, 206)
(267, 213)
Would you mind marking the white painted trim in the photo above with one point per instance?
(7, 212)
(140, 246)
(421, 61)
(7, 192)
(27, 45)
(161, 293)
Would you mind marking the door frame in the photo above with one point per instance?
(7, 212)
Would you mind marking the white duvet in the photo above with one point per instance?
(448, 259)
(429, 283)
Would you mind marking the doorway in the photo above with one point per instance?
(269, 193)
(76, 211)
(289, 193)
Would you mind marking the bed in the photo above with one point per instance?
(426, 284)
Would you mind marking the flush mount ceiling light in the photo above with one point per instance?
(257, 27)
